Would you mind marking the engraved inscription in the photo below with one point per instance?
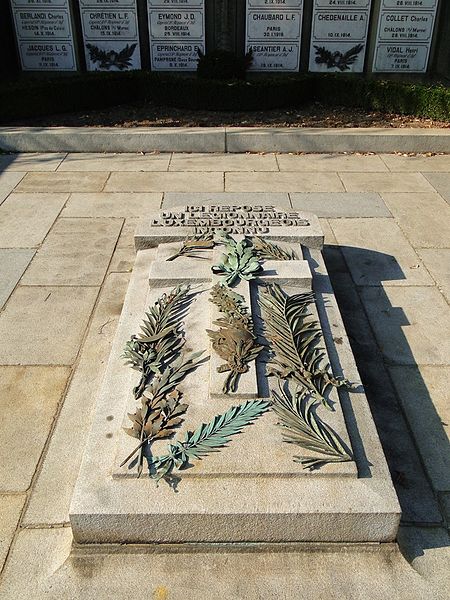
(230, 218)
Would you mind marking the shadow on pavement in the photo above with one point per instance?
(418, 500)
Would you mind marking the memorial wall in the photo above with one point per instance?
(319, 36)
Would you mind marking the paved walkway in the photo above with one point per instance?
(66, 251)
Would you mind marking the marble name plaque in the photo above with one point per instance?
(404, 35)
(412, 27)
(273, 25)
(108, 3)
(39, 3)
(335, 4)
(44, 35)
(177, 34)
(175, 4)
(271, 57)
(179, 24)
(410, 4)
(110, 33)
(273, 33)
(275, 4)
(339, 36)
(390, 57)
(48, 56)
(43, 24)
(109, 24)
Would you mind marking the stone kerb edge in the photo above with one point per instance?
(220, 139)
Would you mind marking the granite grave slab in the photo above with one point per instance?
(212, 462)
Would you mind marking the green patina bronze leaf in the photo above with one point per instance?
(234, 341)
(156, 354)
(294, 338)
(201, 241)
(302, 426)
(270, 251)
(208, 437)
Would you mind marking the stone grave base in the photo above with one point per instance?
(250, 491)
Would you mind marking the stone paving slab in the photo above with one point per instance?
(398, 162)
(428, 552)
(416, 496)
(437, 261)
(13, 263)
(330, 162)
(160, 182)
(328, 234)
(283, 182)
(423, 218)
(174, 199)
(63, 182)
(423, 392)
(111, 204)
(308, 572)
(377, 253)
(45, 325)
(75, 252)
(8, 182)
(30, 397)
(385, 182)
(444, 501)
(223, 162)
(411, 324)
(122, 260)
(341, 204)
(441, 183)
(25, 219)
(126, 239)
(39, 161)
(10, 509)
(50, 500)
(115, 162)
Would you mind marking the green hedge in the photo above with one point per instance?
(39, 96)
(418, 99)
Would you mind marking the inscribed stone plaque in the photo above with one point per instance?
(339, 35)
(177, 33)
(170, 225)
(44, 35)
(273, 33)
(405, 31)
(110, 33)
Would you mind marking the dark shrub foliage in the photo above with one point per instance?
(222, 65)
(43, 95)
